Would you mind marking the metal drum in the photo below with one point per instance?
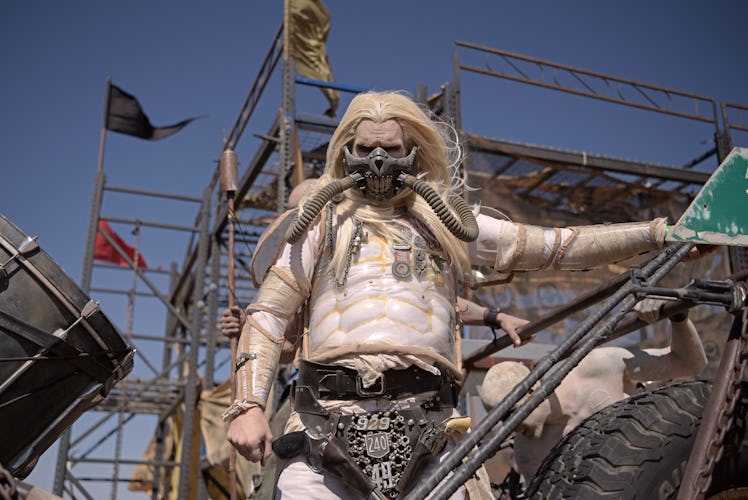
(59, 354)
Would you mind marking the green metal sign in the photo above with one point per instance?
(719, 213)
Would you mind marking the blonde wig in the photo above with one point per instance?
(437, 160)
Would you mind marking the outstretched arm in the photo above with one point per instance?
(508, 246)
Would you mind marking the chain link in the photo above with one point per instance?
(7, 485)
(353, 248)
(715, 449)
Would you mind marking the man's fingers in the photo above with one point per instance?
(515, 338)
(525, 341)
(252, 452)
(256, 453)
(244, 451)
(648, 309)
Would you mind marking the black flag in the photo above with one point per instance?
(127, 117)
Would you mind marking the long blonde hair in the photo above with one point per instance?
(437, 160)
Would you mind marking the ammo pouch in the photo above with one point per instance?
(379, 453)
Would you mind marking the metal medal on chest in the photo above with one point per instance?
(401, 266)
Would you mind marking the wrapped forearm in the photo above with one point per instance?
(261, 342)
(528, 248)
(256, 363)
(602, 244)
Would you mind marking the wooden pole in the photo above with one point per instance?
(228, 186)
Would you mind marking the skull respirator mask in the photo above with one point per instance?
(378, 175)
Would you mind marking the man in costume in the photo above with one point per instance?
(373, 261)
(604, 376)
(233, 319)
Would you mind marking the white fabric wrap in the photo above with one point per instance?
(509, 246)
(260, 344)
(256, 375)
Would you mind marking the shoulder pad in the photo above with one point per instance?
(269, 246)
(483, 275)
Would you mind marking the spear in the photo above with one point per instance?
(228, 169)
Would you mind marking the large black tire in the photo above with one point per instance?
(636, 448)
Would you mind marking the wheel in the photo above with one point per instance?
(638, 448)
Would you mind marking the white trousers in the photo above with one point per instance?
(298, 481)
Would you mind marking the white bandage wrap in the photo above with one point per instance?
(257, 361)
(525, 247)
(260, 345)
(594, 246)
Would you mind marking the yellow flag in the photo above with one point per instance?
(306, 28)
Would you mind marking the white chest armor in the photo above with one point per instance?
(376, 307)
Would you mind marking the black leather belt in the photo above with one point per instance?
(338, 382)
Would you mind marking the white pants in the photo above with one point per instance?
(297, 480)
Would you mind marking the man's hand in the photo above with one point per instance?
(648, 309)
(510, 324)
(231, 321)
(699, 251)
(250, 434)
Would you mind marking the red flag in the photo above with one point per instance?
(106, 252)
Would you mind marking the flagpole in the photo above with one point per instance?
(286, 31)
(102, 140)
(228, 167)
(99, 181)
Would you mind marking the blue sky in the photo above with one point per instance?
(187, 58)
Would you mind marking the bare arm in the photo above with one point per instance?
(687, 356)
(684, 357)
(470, 312)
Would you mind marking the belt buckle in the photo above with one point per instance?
(363, 392)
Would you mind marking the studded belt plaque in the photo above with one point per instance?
(378, 442)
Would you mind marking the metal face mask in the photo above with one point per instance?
(377, 174)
